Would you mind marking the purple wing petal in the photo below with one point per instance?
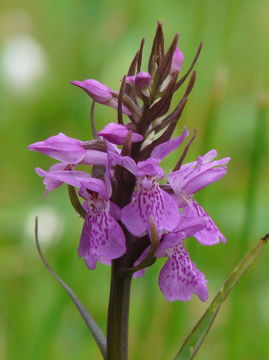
(162, 150)
(179, 278)
(210, 235)
(94, 157)
(124, 161)
(171, 215)
(168, 243)
(49, 182)
(203, 179)
(102, 239)
(60, 147)
(76, 178)
(187, 226)
(194, 176)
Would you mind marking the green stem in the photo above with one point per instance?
(118, 314)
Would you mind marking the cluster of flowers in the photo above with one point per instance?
(129, 215)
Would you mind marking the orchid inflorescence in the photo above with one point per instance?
(130, 218)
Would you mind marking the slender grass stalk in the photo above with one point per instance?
(197, 336)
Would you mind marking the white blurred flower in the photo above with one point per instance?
(22, 62)
(50, 224)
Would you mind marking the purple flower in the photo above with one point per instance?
(69, 150)
(48, 179)
(191, 178)
(142, 80)
(179, 278)
(100, 93)
(102, 238)
(196, 175)
(177, 61)
(148, 198)
(116, 134)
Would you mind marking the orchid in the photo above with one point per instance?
(133, 214)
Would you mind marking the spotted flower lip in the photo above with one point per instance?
(116, 134)
(179, 278)
(102, 238)
(100, 93)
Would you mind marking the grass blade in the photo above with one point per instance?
(90, 322)
(199, 332)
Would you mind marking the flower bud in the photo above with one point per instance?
(142, 80)
(177, 61)
(116, 133)
(100, 93)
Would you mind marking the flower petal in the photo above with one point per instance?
(61, 147)
(210, 235)
(152, 202)
(49, 182)
(162, 150)
(196, 175)
(142, 80)
(100, 93)
(102, 239)
(125, 161)
(179, 278)
(177, 61)
(75, 178)
(149, 167)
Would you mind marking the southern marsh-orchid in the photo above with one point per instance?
(133, 214)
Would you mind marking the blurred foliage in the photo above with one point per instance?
(83, 39)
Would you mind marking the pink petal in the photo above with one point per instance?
(61, 147)
(177, 61)
(210, 235)
(49, 182)
(102, 239)
(162, 150)
(179, 278)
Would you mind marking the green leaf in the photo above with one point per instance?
(90, 322)
(195, 339)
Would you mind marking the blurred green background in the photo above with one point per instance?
(46, 44)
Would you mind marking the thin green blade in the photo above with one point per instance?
(199, 332)
(90, 322)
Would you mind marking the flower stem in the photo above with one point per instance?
(118, 313)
